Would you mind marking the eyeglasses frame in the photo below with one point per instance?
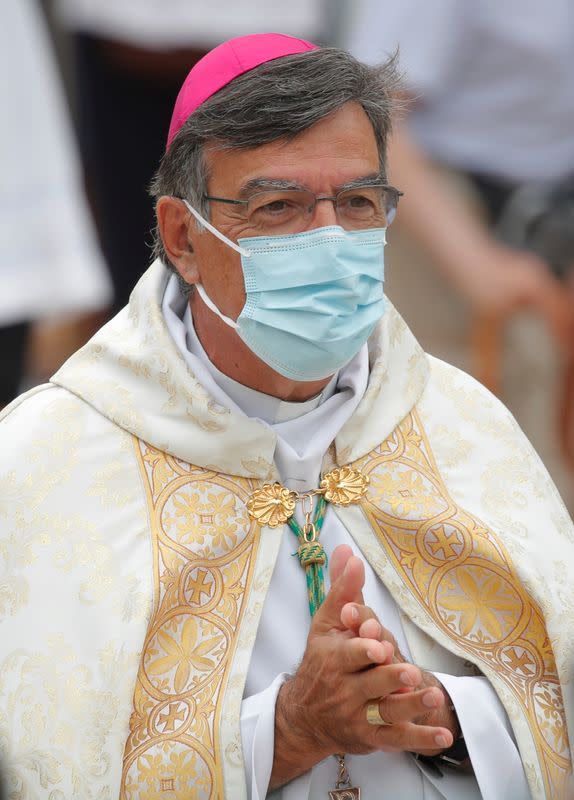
(332, 198)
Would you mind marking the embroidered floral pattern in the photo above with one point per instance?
(461, 574)
(204, 551)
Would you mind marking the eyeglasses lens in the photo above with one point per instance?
(289, 210)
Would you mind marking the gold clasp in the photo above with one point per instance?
(306, 505)
(309, 529)
(274, 505)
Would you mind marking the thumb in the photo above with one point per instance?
(338, 560)
(347, 588)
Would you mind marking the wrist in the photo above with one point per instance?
(296, 747)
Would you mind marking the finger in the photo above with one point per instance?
(358, 654)
(363, 621)
(371, 629)
(379, 682)
(354, 614)
(413, 707)
(338, 560)
(424, 739)
(347, 588)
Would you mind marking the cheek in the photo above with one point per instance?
(222, 277)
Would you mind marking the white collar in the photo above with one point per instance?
(253, 403)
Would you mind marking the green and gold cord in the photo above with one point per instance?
(311, 554)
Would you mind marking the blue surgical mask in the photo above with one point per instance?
(312, 298)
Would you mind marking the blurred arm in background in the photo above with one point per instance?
(494, 278)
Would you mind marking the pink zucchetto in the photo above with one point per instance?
(224, 63)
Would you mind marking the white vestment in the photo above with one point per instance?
(303, 436)
(148, 622)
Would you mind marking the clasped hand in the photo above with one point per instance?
(351, 660)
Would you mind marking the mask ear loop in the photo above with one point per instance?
(198, 286)
(215, 232)
(210, 304)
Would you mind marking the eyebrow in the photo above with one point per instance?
(266, 184)
(366, 180)
(270, 184)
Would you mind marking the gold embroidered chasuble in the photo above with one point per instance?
(455, 569)
(132, 488)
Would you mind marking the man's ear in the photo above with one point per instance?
(176, 231)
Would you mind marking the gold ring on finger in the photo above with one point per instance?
(374, 715)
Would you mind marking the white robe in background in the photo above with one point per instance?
(50, 261)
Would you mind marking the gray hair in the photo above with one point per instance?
(277, 100)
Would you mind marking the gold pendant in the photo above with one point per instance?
(343, 789)
(271, 505)
(344, 485)
(350, 793)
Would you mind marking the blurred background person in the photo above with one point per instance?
(130, 58)
(485, 156)
(50, 264)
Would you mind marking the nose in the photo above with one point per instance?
(324, 213)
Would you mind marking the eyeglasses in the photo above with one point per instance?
(289, 210)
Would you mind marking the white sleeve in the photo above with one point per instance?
(488, 736)
(487, 732)
(258, 737)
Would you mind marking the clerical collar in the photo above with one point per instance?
(255, 404)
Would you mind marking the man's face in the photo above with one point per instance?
(337, 150)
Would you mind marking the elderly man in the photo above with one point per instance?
(171, 499)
